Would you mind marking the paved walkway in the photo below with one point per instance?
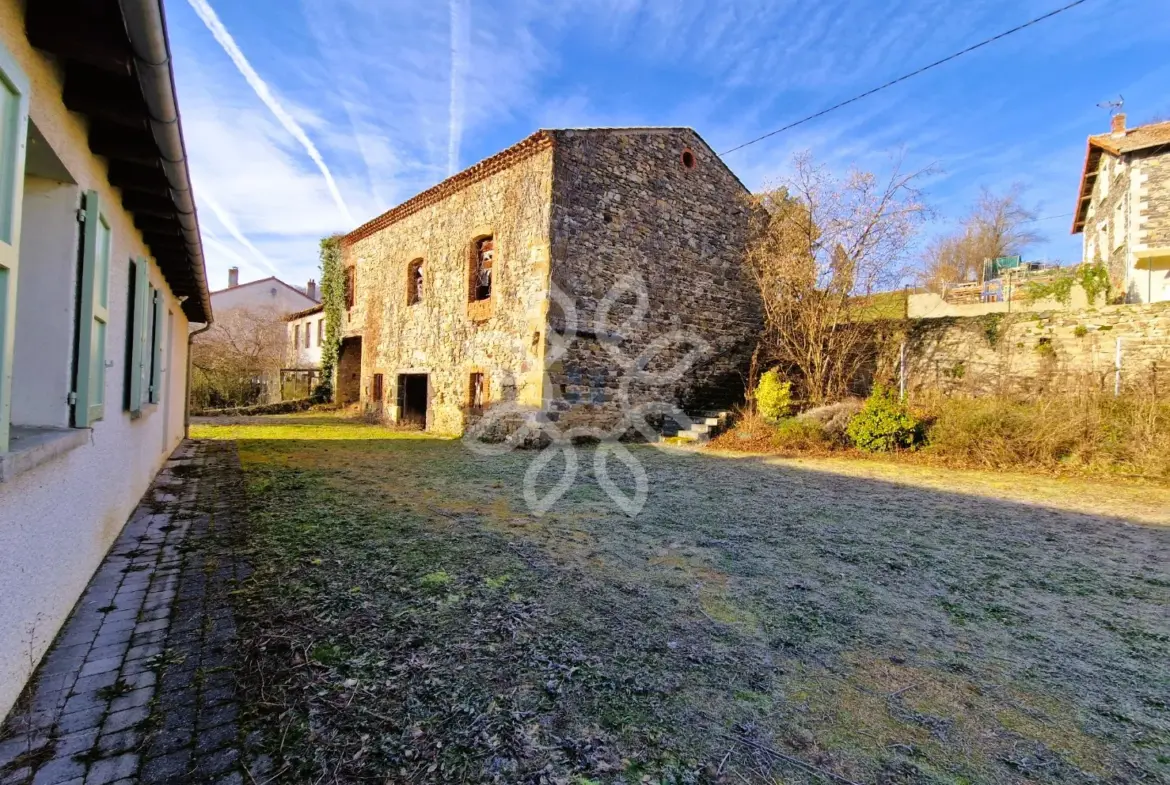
(139, 686)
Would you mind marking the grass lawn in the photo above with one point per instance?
(760, 621)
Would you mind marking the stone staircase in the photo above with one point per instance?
(704, 426)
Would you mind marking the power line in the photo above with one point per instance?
(1048, 218)
(903, 78)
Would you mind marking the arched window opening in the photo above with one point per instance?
(483, 253)
(414, 282)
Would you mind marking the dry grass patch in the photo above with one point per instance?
(759, 621)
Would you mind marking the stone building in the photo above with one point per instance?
(517, 281)
(1123, 208)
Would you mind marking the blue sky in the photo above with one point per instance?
(306, 117)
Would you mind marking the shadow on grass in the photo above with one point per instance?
(755, 621)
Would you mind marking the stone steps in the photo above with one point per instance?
(704, 426)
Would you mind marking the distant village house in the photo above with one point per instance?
(1123, 209)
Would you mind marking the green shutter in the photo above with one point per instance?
(94, 315)
(156, 348)
(14, 92)
(134, 336)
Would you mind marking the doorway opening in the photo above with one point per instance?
(412, 399)
(349, 371)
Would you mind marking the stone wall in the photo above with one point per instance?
(1153, 229)
(438, 335)
(627, 202)
(1038, 353)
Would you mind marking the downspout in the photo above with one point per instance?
(187, 387)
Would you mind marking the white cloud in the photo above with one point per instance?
(224, 38)
(460, 44)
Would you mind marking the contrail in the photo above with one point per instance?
(460, 42)
(234, 230)
(253, 79)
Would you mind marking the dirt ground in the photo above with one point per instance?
(759, 621)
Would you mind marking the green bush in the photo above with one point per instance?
(773, 396)
(800, 434)
(883, 423)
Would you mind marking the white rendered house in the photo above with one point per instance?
(101, 273)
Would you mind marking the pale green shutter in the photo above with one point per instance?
(156, 348)
(134, 336)
(13, 131)
(94, 315)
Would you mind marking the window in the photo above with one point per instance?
(377, 395)
(483, 253)
(14, 114)
(154, 391)
(296, 335)
(320, 331)
(350, 286)
(414, 282)
(476, 393)
(308, 335)
(1119, 224)
(1104, 173)
(688, 158)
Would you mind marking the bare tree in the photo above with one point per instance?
(239, 359)
(998, 225)
(821, 245)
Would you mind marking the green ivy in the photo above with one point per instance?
(1093, 278)
(333, 298)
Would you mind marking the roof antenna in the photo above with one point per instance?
(1113, 106)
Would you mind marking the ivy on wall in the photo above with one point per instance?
(1093, 278)
(333, 298)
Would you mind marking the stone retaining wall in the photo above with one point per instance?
(1038, 353)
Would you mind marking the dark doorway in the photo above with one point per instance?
(349, 371)
(412, 399)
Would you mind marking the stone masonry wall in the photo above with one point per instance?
(1039, 353)
(1153, 216)
(438, 336)
(625, 202)
(1105, 240)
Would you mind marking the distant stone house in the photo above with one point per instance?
(456, 295)
(1123, 208)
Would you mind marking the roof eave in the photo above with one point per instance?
(116, 60)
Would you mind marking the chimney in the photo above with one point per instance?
(233, 277)
(1118, 124)
(311, 289)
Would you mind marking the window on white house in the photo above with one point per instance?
(308, 335)
(320, 331)
(296, 335)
